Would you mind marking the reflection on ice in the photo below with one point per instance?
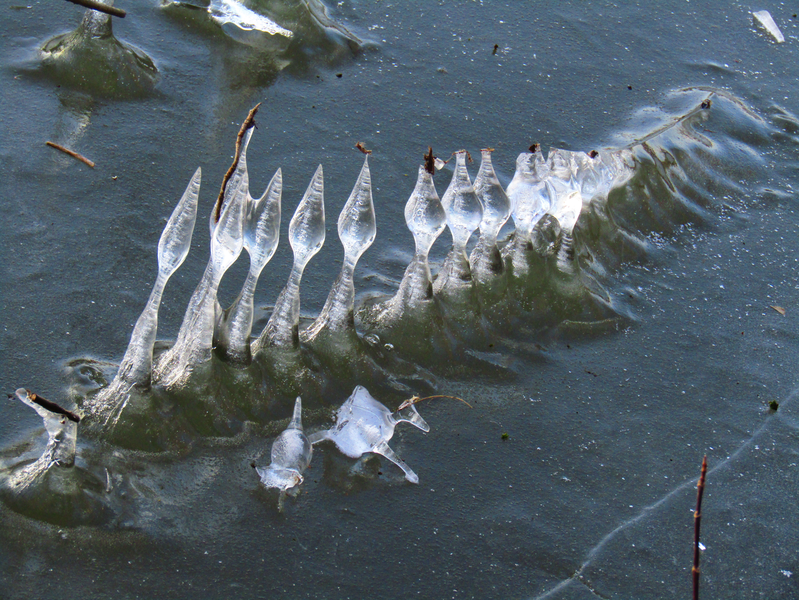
(364, 425)
(235, 13)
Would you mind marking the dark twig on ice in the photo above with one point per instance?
(51, 406)
(430, 161)
(700, 488)
(72, 153)
(99, 6)
(248, 122)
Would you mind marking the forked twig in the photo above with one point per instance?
(417, 399)
(71, 153)
(99, 6)
(248, 122)
(700, 488)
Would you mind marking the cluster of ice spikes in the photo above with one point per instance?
(558, 186)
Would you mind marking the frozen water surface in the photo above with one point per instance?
(611, 379)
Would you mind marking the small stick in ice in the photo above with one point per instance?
(51, 406)
(99, 6)
(247, 124)
(417, 399)
(700, 488)
(362, 148)
(72, 153)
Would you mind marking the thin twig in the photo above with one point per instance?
(73, 154)
(99, 6)
(700, 488)
(51, 406)
(362, 148)
(417, 399)
(430, 161)
(248, 122)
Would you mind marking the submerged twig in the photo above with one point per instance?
(417, 399)
(99, 6)
(248, 122)
(72, 153)
(700, 488)
(705, 104)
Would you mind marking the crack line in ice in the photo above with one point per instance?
(578, 574)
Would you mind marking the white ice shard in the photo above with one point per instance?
(530, 200)
(62, 432)
(764, 19)
(486, 260)
(261, 236)
(231, 12)
(464, 214)
(426, 219)
(306, 237)
(137, 364)
(365, 425)
(194, 343)
(291, 455)
(356, 230)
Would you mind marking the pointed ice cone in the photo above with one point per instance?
(195, 338)
(464, 213)
(356, 230)
(261, 236)
(306, 237)
(485, 260)
(137, 364)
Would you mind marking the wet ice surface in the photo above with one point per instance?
(619, 438)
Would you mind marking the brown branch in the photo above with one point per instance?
(362, 148)
(700, 488)
(99, 6)
(73, 154)
(52, 407)
(248, 123)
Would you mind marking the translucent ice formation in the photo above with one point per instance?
(464, 214)
(356, 230)
(425, 217)
(567, 200)
(173, 247)
(364, 425)
(261, 236)
(530, 200)
(763, 18)
(195, 339)
(306, 236)
(291, 455)
(92, 59)
(486, 260)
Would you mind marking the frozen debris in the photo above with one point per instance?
(291, 455)
(763, 18)
(235, 13)
(364, 425)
